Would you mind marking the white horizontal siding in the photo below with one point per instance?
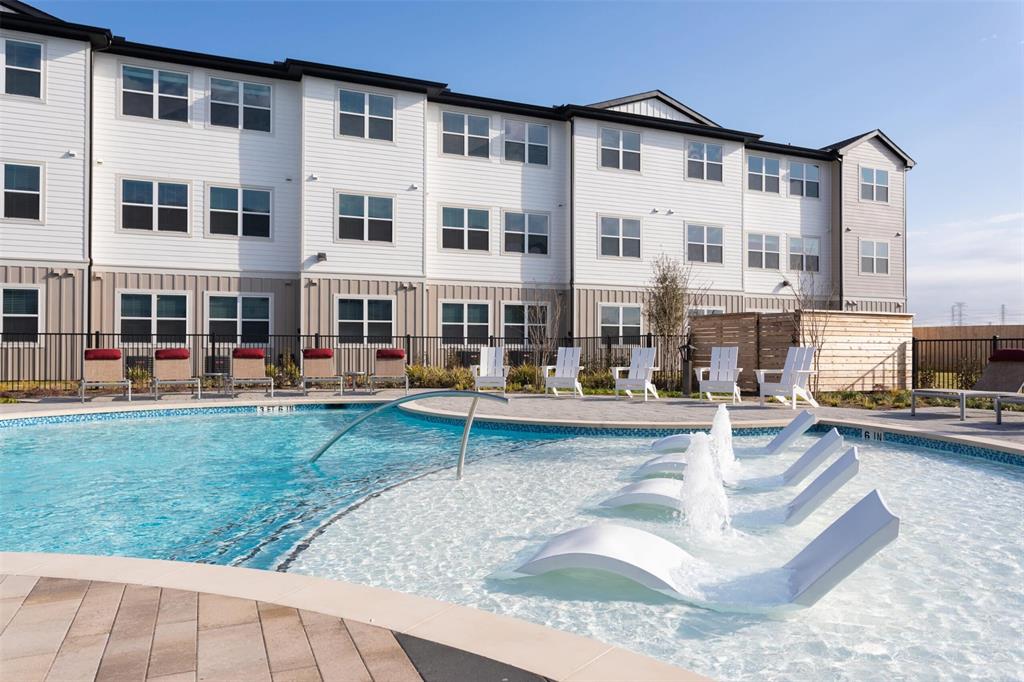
(654, 107)
(497, 185)
(201, 155)
(361, 166)
(42, 132)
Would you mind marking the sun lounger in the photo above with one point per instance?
(640, 373)
(319, 367)
(389, 363)
(566, 372)
(793, 430)
(794, 377)
(722, 375)
(171, 366)
(492, 371)
(249, 367)
(103, 367)
(1001, 381)
(660, 565)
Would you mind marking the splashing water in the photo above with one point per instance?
(705, 509)
(721, 445)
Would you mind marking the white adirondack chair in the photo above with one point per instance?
(793, 380)
(722, 375)
(641, 370)
(492, 371)
(567, 370)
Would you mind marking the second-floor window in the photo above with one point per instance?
(153, 93)
(465, 134)
(874, 257)
(703, 244)
(704, 161)
(804, 253)
(239, 318)
(620, 149)
(20, 315)
(465, 322)
(22, 197)
(366, 218)
(237, 104)
(365, 320)
(144, 315)
(526, 233)
(240, 212)
(620, 323)
(874, 184)
(620, 237)
(526, 142)
(150, 205)
(465, 228)
(524, 322)
(804, 179)
(367, 115)
(23, 68)
(763, 174)
(763, 251)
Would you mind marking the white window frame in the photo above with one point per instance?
(874, 184)
(153, 293)
(42, 191)
(704, 310)
(465, 229)
(365, 321)
(40, 315)
(874, 257)
(704, 243)
(763, 174)
(366, 116)
(155, 206)
(803, 255)
(620, 237)
(155, 94)
(703, 161)
(804, 165)
(41, 71)
(526, 232)
(238, 319)
(338, 239)
(620, 149)
(764, 251)
(619, 307)
(465, 135)
(526, 142)
(240, 90)
(527, 325)
(465, 320)
(239, 212)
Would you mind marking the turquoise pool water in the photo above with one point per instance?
(234, 489)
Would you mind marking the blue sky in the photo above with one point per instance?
(944, 80)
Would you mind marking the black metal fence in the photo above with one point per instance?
(955, 363)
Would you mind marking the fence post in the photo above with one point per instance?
(318, 340)
(650, 340)
(995, 344)
(913, 363)
(96, 339)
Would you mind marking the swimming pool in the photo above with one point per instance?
(943, 601)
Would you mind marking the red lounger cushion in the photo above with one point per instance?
(390, 354)
(172, 354)
(103, 354)
(316, 353)
(1008, 355)
(248, 353)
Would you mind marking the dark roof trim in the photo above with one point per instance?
(98, 37)
(841, 146)
(659, 95)
(625, 118)
(504, 106)
(123, 47)
(372, 78)
(792, 150)
(27, 9)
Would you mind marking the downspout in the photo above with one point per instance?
(839, 227)
(87, 285)
(424, 308)
(572, 227)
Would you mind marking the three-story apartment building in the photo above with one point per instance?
(156, 192)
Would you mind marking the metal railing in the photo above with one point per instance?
(955, 363)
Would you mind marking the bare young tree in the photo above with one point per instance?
(812, 313)
(672, 290)
(544, 323)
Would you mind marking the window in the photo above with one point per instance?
(620, 149)
(702, 312)
(365, 320)
(464, 322)
(146, 314)
(620, 323)
(244, 319)
(763, 174)
(704, 161)
(465, 228)
(139, 86)
(804, 253)
(23, 68)
(804, 179)
(703, 244)
(366, 218)
(620, 237)
(526, 233)
(137, 204)
(22, 197)
(874, 184)
(465, 134)
(874, 257)
(253, 212)
(524, 322)
(20, 319)
(366, 115)
(763, 251)
(526, 142)
(235, 104)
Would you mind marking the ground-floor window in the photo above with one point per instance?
(465, 322)
(366, 320)
(239, 318)
(20, 321)
(620, 323)
(524, 322)
(144, 315)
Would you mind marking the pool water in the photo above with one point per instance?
(944, 601)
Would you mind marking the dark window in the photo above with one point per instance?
(22, 191)
(704, 161)
(23, 72)
(704, 244)
(465, 228)
(464, 322)
(366, 115)
(465, 134)
(365, 320)
(620, 237)
(620, 149)
(365, 218)
(140, 85)
(137, 205)
(20, 319)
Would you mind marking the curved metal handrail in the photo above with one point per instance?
(475, 395)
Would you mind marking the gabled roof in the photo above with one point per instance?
(18, 7)
(658, 95)
(843, 145)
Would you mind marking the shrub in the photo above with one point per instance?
(285, 374)
(524, 376)
(966, 373)
(139, 376)
(597, 379)
(926, 378)
(459, 378)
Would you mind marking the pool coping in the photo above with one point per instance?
(551, 653)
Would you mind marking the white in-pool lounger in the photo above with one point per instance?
(660, 565)
(783, 439)
(667, 492)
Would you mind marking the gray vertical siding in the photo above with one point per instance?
(318, 301)
(495, 295)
